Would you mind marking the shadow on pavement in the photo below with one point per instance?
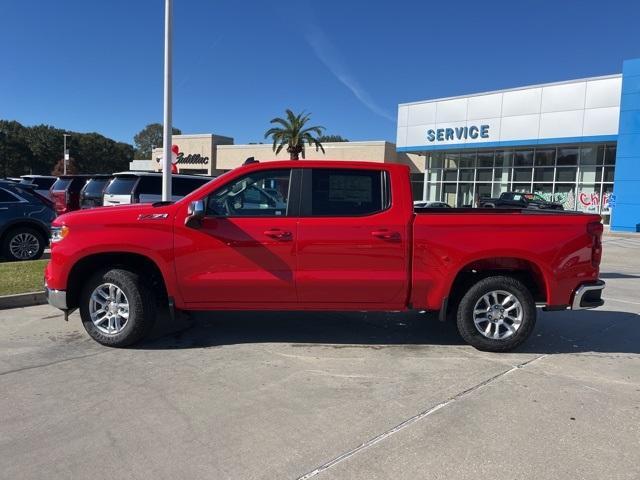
(555, 332)
(610, 275)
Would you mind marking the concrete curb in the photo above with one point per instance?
(22, 300)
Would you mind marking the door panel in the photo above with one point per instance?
(354, 258)
(242, 260)
(242, 252)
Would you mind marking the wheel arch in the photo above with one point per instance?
(525, 270)
(136, 262)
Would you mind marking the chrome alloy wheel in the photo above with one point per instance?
(24, 246)
(109, 308)
(498, 315)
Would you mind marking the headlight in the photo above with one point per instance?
(58, 233)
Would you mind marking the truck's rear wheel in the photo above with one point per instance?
(117, 308)
(496, 314)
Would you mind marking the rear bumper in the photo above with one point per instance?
(56, 298)
(588, 295)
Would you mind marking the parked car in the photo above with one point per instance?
(25, 220)
(43, 183)
(430, 204)
(346, 238)
(146, 187)
(519, 200)
(92, 193)
(65, 192)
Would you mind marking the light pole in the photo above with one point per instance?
(166, 137)
(66, 153)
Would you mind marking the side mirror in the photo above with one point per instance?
(195, 214)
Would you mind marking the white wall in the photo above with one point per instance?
(587, 107)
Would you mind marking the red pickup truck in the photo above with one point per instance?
(319, 235)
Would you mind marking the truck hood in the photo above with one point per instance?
(114, 215)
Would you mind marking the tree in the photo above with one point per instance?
(148, 138)
(58, 170)
(294, 135)
(332, 138)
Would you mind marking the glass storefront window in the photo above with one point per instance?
(436, 160)
(579, 176)
(485, 159)
(498, 188)
(483, 190)
(588, 198)
(465, 195)
(566, 174)
(589, 174)
(607, 190)
(568, 156)
(608, 174)
(523, 158)
(468, 160)
(545, 190)
(484, 175)
(502, 175)
(451, 160)
(545, 158)
(466, 174)
(450, 175)
(610, 155)
(588, 156)
(543, 174)
(449, 194)
(504, 158)
(433, 192)
(522, 187)
(565, 194)
(434, 176)
(522, 174)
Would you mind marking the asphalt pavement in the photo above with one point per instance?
(287, 395)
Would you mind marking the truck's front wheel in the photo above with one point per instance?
(496, 314)
(117, 308)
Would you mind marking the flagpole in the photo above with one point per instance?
(166, 142)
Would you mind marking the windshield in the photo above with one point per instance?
(121, 185)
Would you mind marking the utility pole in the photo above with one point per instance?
(166, 146)
(66, 153)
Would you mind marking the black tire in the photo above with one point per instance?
(465, 316)
(17, 231)
(142, 307)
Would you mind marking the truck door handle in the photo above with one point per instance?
(279, 234)
(386, 234)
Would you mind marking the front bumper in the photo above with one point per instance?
(56, 298)
(588, 295)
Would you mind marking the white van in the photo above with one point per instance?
(146, 187)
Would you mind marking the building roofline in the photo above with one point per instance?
(325, 145)
(524, 87)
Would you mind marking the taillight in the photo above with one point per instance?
(595, 229)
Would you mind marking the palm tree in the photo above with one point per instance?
(294, 134)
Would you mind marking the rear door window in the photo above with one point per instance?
(342, 192)
(61, 184)
(121, 185)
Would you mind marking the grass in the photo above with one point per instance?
(22, 277)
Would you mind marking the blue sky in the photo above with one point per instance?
(97, 65)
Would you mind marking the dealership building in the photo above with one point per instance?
(575, 142)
